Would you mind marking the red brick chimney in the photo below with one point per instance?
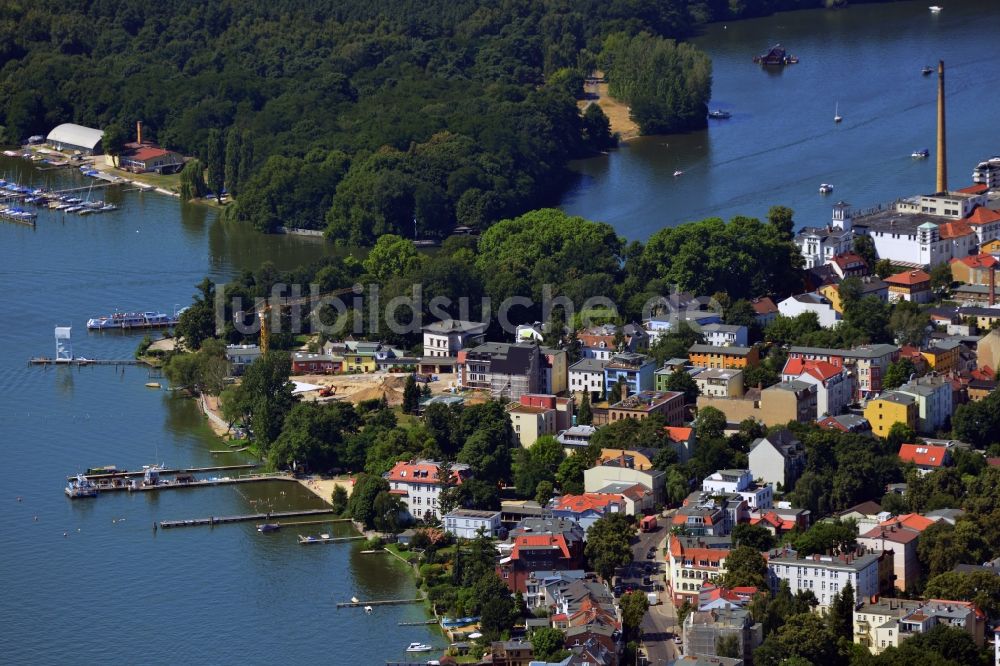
(138, 132)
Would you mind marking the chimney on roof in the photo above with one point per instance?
(138, 132)
(942, 158)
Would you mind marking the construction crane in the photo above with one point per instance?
(264, 311)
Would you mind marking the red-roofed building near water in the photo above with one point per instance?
(927, 457)
(539, 544)
(418, 485)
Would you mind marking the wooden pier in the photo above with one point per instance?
(384, 602)
(223, 520)
(306, 541)
(164, 472)
(421, 623)
(123, 486)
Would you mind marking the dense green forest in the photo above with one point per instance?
(360, 117)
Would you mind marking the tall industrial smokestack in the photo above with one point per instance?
(942, 153)
(138, 131)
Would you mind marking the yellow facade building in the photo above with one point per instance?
(891, 408)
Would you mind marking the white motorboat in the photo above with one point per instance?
(935, 9)
(836, 113)
(419, 647)
(678, 173)
(368, 610)
(825, 188)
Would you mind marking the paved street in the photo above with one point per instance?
(660, 623)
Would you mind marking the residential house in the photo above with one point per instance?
(779, 521)
(834, 384)
(417, 484)
(711, 596)
(869, 363)
(990, 247)
(539, 544)
(576, 438)
(599, 341)
(706, 513)
(765, 310)
(530, 422)
(670, 404)
(504, 370)
(849, 264)
(309, 363)
(890, 408)
(775, 405)
(448, 337)
(703, 631)
(725, 335)
(976, 269)
(881, 622)
(913, 286)
(865, 515)
(709, 356)
(553, 370)
(241, 356)
(869, 286)
(985, 318)
(942, 356)
(826, 575)
(511, 653)
(467, 523)
(778, 459)
(682, 441)
(720, 382)
(740, 482)
(625, 467)
(845, 423)
(926, 457)
(933, 394)
(633, 371)
(588, 508)
(587, 376)
(691, 561)
(541, 587)
(145, 158)
(798, 304)
(898, 538)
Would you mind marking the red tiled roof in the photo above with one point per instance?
(983, 215)
(764, 305)
(146, 154)
(821, 370)
(894, 533)
(923, 455)
(909, 278)
(533, 541)
(955, 229)
(636, 492)
(978, 188)
(587, 502)
(847, 259)
(774, 520)
(418, 473)
(678, 434)
(914, 521)
(979, 261)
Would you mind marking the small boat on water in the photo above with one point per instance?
(81, 486)
(354, 600)
(153, 385)
(269, 527)
(369, 610)
(719, 114)
(418, 647)
(836, 113)
(927, 70)
(678, 173)
(825, 188)
(935, 9)
(920, 154)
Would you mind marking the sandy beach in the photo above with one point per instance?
(617, 112)
(323, 488)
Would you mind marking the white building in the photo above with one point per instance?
(934, 401)
(466, 523)
(819, 245)
(882, 623)
(778, 459)
(417, 484)
(825, 575)
(587, 374)
(793, 306)
(725, 335)
(448, 337)
(740, 482)
(834, 385)
(720, 382)
(240, 356)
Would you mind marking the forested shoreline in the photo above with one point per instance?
(362, 118)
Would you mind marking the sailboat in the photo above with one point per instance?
(836, 113)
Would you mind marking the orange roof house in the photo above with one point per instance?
(925, 456)
(909, 286)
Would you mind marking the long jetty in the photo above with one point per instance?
(245, 518)
(163, 472)
(42, 360)
(123, 486)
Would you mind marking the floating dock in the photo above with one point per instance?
(43, 360)
(223, 520)
(305, 541)
(125, 487)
